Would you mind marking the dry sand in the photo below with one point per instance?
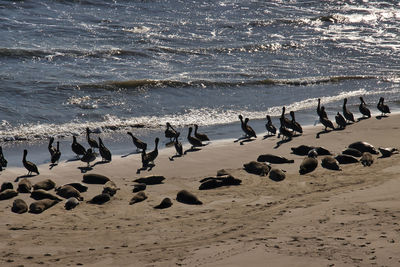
(325, 218)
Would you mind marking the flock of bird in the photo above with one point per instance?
(288, 129)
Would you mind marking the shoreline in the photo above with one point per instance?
(326, 217)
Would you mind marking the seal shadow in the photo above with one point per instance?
(85, 169)
(281, 142)
(24, 176)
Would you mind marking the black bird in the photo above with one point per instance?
(347, 113)
(137, 142)
(284, 131)
(170, 132)
(249, 131)
(3, 161)
(382, 107)
(88, 157)
(104, 152)
(295, 125)
(269, 126)
(201, 136)
(321, 110)
(286, 122)
(194, 141)
(56, 155)
(92, 143)
(341, 121)
(363, 108)
(178, 145)
(50, 147)
(325, 121)
(77, 148)
(31, 167)
(151, 156)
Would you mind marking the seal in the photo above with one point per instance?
(71, 203)
(139, 197)
(215, 182)
(309, 163)
(68, 191)
(151, 180)
(165, 203)
(7, 194)
(346, 159)
(352, 152)
(39, 194)
(78, 186)
(93, 178)
(274, 159)
(277, 175)
(388, 151)
(301, 150)
(364, 147)
(24, 186)
(6, 185)
(367, 159)
(186, 197)
(258, 168)
(110, 188)
(45, 185)
(100, 199)
(321, 151)
(42, 205)
(139, 187)
(19, 206)
(329, 162)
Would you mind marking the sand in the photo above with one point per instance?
(324, 218)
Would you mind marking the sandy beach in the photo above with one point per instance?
(324, 218)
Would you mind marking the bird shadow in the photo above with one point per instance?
(147, 167)
(362, 118)
(268, 136)
(52, 165)
(131, 153)
(175, 156)
(322, 132)
(281, 142)
(101, 162)
(73, 159)
(246, 141)
(193, 149)
(24, 176)
(241, 138)
(379, 117)
(169, 144)
(85, 169)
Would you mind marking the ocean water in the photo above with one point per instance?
(134, 65)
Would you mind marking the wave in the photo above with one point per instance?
(202, 116)
(148, 83)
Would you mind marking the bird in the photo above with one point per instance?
(50, 147)
(286, 122)
(284, 131)
(137, 142)
(269, 126)
(363, 108)
(170, 132)
(321, 110)
(88, 157)
(92, 143)
(3, 161)
(77, 148)
(249, 131)
(201, 136)
(347, 113)
(56, 155)
(325, 121)
(151, 156)
(295, 125)
(178, 145)
(31, 167)
(104, 152)
(194, 141)
(382, 107)
(340, 120)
